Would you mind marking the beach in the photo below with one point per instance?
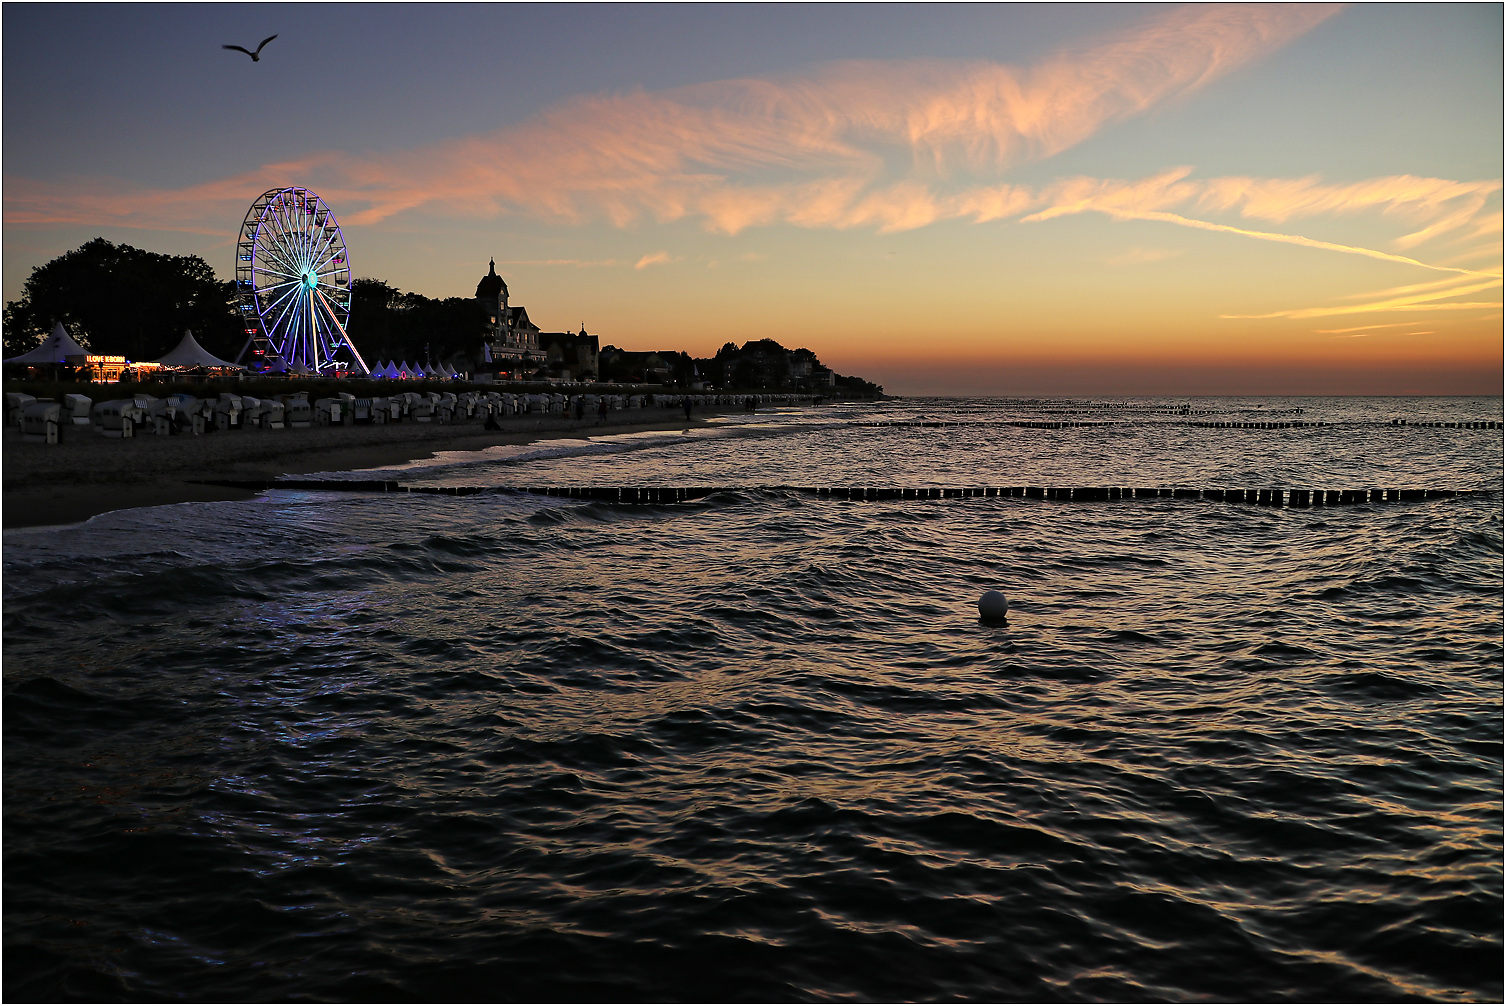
(89, 474)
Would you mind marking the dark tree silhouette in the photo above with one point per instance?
(387, 324)
(119, 300)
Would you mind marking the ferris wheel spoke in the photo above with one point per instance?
(267, 270)
(327, 245)
(279, 220)
(276, 254)
(286, 239)
(305, 224)
(292, 303)
(290, 292)
(324, 257)
(277, 268)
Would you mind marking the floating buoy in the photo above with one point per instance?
(993, 605)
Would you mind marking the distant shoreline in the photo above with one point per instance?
(88, 474)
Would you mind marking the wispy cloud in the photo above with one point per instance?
(656, 258)
(1360, 328)
(1453, 203)
(889, 145)
(1414, 302)
(1399, 298)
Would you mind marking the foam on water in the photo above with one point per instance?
(759, 746)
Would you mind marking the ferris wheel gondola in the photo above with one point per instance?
(292, 277)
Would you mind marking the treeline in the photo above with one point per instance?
(118, 300)
(756, 365)
(123, 301)
(387, 324)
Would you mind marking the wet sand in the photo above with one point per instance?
(90, 474)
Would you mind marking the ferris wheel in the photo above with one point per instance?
(292, 278)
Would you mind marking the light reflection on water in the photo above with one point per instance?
(335, 744)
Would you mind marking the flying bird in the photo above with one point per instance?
(255, 56)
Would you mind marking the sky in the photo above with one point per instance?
(1049, 199)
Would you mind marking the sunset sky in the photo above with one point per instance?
(1036, 199)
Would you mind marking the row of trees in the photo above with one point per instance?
(387, 324)
(124, 301)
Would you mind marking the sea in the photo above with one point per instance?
(336, 746)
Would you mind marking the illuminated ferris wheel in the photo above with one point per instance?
(293, 281)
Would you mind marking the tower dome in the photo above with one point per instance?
(491, 286)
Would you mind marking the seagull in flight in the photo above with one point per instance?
(255, 56)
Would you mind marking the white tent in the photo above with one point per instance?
(190, 354)
(54, 349)
(390, 371)
(404, 371)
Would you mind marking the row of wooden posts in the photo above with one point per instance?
(1049, 424)
(679, 494)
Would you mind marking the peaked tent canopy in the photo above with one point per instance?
(54, 349)
(190, 354)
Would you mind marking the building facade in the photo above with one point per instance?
(511, 343)
(570, 357)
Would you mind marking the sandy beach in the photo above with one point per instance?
(89, 474)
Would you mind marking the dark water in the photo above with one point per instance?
(759, 747)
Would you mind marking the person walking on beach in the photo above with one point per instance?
(580, 407)
(601, 411)
(686, 403)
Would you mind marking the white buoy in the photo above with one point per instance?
(993, 605)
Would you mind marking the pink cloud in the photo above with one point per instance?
(888, 145)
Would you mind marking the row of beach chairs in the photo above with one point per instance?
(45, 420)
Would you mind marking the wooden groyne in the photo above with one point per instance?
(656, 495)
(1222, 424)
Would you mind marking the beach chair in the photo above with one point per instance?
(189, 414)
(42, 421)
(227, 412)
(266, 414)
(327, 411)
(297, 412)
(160, 414)
(76, 410)
(117, 419)
(15, 401)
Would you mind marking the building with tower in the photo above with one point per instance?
(512, 340)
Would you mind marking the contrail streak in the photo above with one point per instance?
(1291, 239)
